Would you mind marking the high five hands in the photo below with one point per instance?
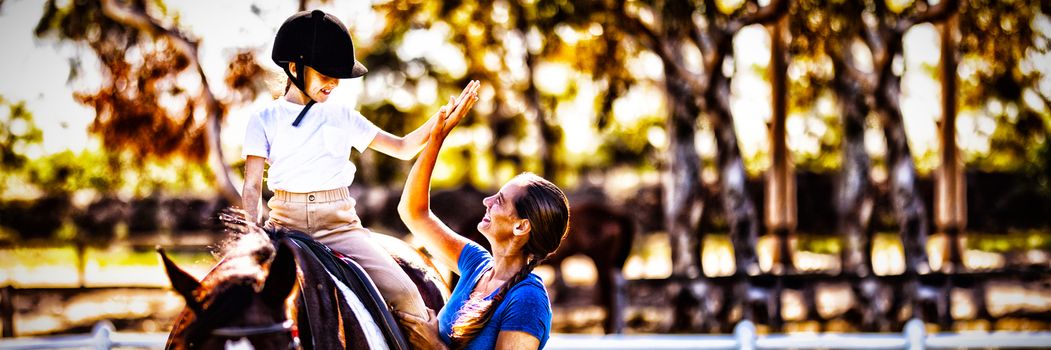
(451, 114)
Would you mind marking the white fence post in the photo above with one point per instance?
(744, 333)
(915, 335)
(101, 333)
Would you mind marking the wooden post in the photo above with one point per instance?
(780, 179)
(950, 203)
(7, 311)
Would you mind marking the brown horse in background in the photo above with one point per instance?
(270, 294)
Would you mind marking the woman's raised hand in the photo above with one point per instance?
(451, 114)
(422, 333)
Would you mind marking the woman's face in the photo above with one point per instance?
(318, 85)
(500, 216)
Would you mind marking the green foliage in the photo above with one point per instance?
(1017, 241)
(18, 133)
(1042, 169)
(107, 172)
(1000, 42)
(66, 172)
(505, 44)
(820, 244)
(628, 144)
(125, 256)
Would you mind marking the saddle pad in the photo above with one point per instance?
(354, 277)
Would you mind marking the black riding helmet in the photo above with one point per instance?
(319, 40)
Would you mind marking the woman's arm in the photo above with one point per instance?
(422, 334)
(516, 340)
(415, 206)
(253, 188)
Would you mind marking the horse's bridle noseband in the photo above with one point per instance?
(241, 332)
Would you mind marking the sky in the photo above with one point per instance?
(36, 72)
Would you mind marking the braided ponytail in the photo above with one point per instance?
(476, 313)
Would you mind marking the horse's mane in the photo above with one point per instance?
(243, 254)
(227, 290)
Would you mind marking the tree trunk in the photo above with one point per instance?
(223, 173)
(549, 134)
(740, 211)
(854, 199)
(780, 179)
(950, 203)
(908, 205)
(684, 205)
(682, 192)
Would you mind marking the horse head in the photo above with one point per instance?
(235, 307)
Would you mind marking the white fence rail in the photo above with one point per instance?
(744, 337)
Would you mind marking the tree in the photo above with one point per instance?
(141, 107)
(506, 44)
(1000, 56)
(883, 32)
(826, 37)
(670, 28)
(999, 49)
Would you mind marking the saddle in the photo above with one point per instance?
(317, 290)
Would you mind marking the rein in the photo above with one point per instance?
(237, 332)
(243, 332)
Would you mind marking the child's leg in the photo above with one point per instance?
(345, 234)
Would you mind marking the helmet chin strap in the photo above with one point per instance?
(300, 83)
(300, 78)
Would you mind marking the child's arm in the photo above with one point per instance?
(408, 146)
(253, 188)
(403, 147)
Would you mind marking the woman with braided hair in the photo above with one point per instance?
(499, 303)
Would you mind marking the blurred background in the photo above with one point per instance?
(810, 165)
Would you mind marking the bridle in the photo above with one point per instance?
(242, 332)
(237, 332)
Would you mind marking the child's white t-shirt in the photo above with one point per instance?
(314, 156)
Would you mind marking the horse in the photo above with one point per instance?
(276, 289)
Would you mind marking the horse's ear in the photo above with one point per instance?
(282, 276)
(182, 282)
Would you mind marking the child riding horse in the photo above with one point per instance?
(244, 300)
